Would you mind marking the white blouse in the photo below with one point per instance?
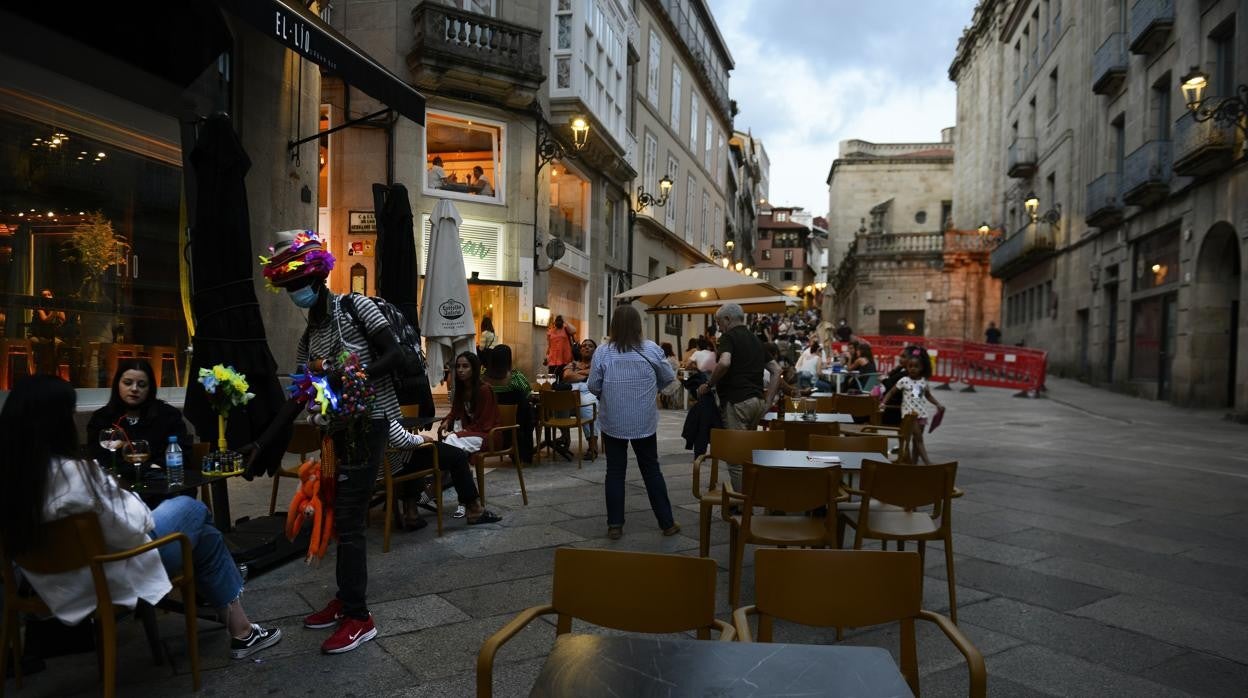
(125, 521)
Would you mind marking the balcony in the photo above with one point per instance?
(1109, 65)
(1151, 22)
(1146, 174)
(463, 51)
(1104, 206)
(1021, 158)
(1022, 250)
(1202, 147)
(902, 244)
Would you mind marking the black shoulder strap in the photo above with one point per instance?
(348, 301)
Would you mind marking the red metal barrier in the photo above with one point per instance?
(972, 363)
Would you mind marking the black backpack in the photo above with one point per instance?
(411, 382)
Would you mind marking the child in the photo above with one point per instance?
(913, 388)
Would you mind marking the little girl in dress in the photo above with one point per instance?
(914, 389)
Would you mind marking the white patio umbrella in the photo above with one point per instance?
(697, 284)
(767, 304)
(446, 320)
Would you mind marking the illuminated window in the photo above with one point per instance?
(463, 158)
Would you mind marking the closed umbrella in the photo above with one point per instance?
(697, 284)
(397, 273)
(445, 310)
(228, 326)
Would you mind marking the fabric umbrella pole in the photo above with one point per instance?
(445, 309)
(228, 327)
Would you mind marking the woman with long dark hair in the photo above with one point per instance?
(45, 480)
(626, 375)
(576, 374)
(133, 407)
(474, 411)
(512, 388)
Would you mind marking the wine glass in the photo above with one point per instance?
(111, 440)
(136, 453)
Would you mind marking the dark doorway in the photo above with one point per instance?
(1169, 334)
(1215, 319)
(1111, 330)
(1081, 317)
(901, 322)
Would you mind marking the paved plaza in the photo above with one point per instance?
(1101, 550)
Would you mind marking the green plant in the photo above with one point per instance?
(96, 246)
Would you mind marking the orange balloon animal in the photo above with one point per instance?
(311, 502)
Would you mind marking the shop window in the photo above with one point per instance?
(479, 241)
(463, 158)
(89, 253)
(569, 206)
(1157, 260)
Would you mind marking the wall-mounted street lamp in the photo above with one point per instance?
(1032, 204)
(1225, 111)
(984, 229)
(645, 198)
(550, 148)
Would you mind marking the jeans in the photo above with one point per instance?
(450, 460)
(216, 576)
(356, 482)
(647, 451)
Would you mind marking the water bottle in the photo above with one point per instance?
(173, 462)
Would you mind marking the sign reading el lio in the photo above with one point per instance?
(361, 223)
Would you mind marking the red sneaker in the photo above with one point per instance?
(325, 618)
(351, 633)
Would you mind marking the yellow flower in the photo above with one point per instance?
(221, 373)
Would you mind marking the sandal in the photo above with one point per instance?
(615, 532)
(486, 517)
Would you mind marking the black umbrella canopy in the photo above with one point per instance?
(228, 326)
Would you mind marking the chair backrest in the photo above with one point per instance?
(506, 415)
(857, 405)
(789, 489)
(797, 434)
(909, 486)
(304, 439)
(845, 588)
(633, 592)
(68, 544)
(736, 445)
(850, 444)
(506, 418)
(552, 401)
(825, 405)
(409, 411)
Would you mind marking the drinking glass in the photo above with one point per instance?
(811, 406)
(111, 439)
(136, 453)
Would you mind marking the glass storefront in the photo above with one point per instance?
(569, 206)
(89, 254)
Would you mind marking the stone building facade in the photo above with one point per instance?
(1127, 270)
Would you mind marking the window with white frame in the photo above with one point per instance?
(691, 200)
(480, 242)
(669, 216)
(569, 205)
(716, 223)
(481, 7)
(652, 68)
(708, 144)
(651, 164)
(464, 157)
(693, 122)
(782, 216)
(720, 166)
(706, 215)
(677, 97)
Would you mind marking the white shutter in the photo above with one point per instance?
(480, 241)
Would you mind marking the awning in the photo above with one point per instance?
(306, 34)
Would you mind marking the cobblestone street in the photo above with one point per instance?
(1101, 549)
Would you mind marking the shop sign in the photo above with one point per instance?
(361, 223)
(525, 311)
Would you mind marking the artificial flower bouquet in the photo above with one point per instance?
(226, 389)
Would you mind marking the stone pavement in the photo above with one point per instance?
(1101, 549)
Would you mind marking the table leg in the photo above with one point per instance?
(221, 505)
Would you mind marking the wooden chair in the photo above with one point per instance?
(785, 490)
(493, 447)
(825, 405)
(649, 593)
(797, 434)
(73, 543)
(908, 488)
(388, 482)
(726, 445)
(305, 440)
(551, 403)
(859, 406)
(854, 588)
(900, 433)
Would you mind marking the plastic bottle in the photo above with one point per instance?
(173, 462)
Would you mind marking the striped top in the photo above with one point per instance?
(328, 339)
(400, 443)
(627, 384)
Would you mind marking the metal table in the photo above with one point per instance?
(850, 460)
(821, 418)
(601, 665)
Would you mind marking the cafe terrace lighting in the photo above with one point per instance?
(1225, 111)
(739, 266)
(645, 198)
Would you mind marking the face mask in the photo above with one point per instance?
(304, 297)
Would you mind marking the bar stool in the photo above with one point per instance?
(11, 349)
(114, 353)
(160, 355)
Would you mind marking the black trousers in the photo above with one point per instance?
(356, 482)
(450, 460)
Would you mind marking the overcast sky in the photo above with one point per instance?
(810, 73)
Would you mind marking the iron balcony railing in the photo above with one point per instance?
(1109, 64)
(1104, 199)
(1151, 20)
(473, 40)
(689, 36)
(1146, 172)
(1202, 147)
(1021, 157)
(1033, 240)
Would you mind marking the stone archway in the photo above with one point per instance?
(1216, 317)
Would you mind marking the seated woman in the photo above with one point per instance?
(788, 377)
(450, 460)
(133, 408)
(577, 374)
(704, 358)
(473, 409)
(45, 481)
(862, 367)
(512, 388)
(670, 394)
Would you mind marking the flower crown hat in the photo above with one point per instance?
(298, 256)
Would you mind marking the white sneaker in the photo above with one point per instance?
(460, 512)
